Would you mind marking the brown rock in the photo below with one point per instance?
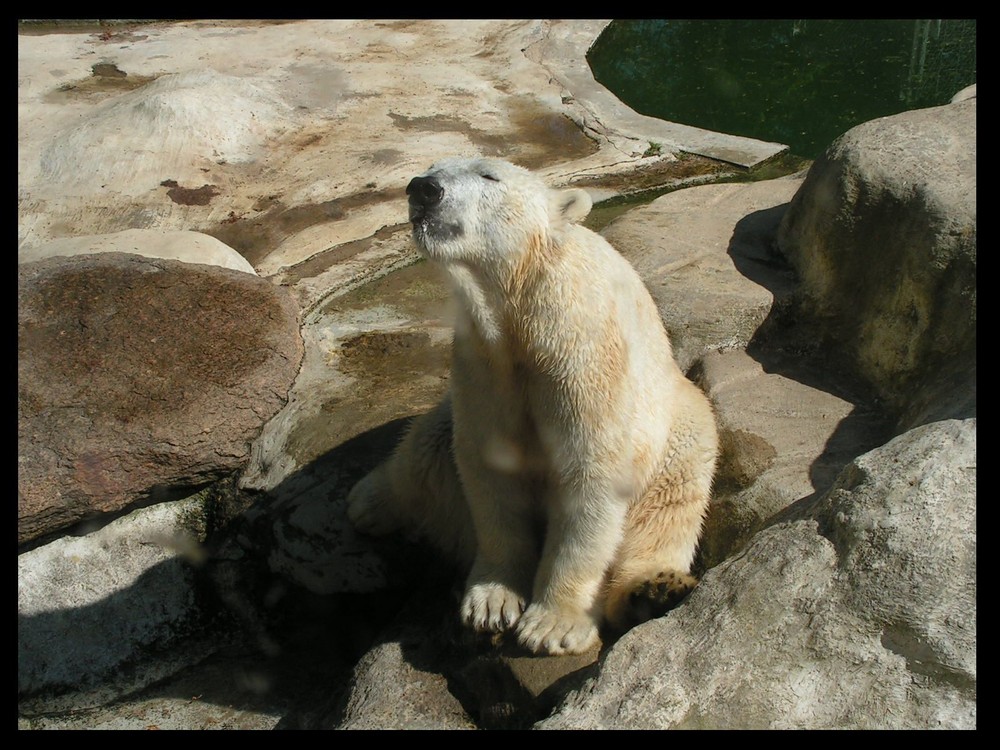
(141, 378)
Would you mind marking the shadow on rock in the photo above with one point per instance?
(789, 417)
(786, 343)
(409, 662)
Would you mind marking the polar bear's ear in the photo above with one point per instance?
(571, 205)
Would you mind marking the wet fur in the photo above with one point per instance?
(570, 466)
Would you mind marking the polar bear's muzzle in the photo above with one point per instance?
(426, 195)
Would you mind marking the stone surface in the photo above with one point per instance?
(783, 438)
(705, 256)
(821, 608)
(129, 583)
(212, 116)
(191, 247)
(306, 144)
(860, 615)
(375, 356)
(883, 237)
(399, 695)
(139, 379)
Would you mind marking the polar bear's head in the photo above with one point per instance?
(485, 211)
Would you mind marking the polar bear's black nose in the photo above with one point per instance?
(424, 193)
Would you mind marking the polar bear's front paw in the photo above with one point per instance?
(491, 607)
(369, 507)
(546, 630)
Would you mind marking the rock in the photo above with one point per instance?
(399, 695)
(845, 607)
(88, 606)
(883, 237)
(191, 247)
(206, 115)
(782, 441)
(860, 614)
(427, 671)
(705, 254)
(969, 92)
(300, 147)
(141, 380)
(903, 521)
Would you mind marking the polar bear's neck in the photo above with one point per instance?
(479, 302)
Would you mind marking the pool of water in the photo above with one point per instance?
(801, 83)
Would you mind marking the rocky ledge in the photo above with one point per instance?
(222, 325)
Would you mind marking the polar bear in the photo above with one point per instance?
(570, 466)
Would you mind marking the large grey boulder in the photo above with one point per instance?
(883, 237)
(859, 614)
(141, 380)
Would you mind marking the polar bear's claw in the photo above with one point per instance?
(491, 607)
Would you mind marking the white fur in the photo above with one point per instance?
(581, 458)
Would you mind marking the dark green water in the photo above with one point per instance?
(801, 83)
